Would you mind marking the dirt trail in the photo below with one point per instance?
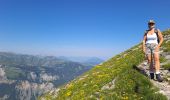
(163, 86)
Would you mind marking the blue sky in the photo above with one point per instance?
(99, 28)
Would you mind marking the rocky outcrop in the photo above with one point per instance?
(29, 91)
(3, 78)
(46, 77)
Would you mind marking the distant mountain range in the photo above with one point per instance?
(24, 77)
(92, 61)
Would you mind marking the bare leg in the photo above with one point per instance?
(157, 67)
(157, 62)
(151, 67)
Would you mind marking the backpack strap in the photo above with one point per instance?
(145, 33)
(156, 31)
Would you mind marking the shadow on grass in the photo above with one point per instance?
(140, 70)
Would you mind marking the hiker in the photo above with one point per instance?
(151, 43)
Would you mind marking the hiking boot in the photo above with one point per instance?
(152, 76)
(159, 78)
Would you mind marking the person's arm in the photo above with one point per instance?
(160, 36)
(144, 41)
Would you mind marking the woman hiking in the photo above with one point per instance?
(151, 43)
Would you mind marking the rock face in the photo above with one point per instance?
(25, 77)
(29, 91)
(2, 74)
(3, 77)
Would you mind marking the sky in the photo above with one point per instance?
(100, 28)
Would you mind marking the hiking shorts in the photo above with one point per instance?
(150, 47)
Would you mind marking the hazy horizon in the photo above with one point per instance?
(44, 55)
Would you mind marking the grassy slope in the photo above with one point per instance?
(129, 83)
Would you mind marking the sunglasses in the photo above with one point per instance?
(151, 24)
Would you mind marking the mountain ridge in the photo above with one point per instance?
(24, 77)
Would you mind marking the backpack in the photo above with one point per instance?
(156, 31)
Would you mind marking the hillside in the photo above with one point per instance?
(119, 78)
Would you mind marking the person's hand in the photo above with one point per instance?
(157, 49)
